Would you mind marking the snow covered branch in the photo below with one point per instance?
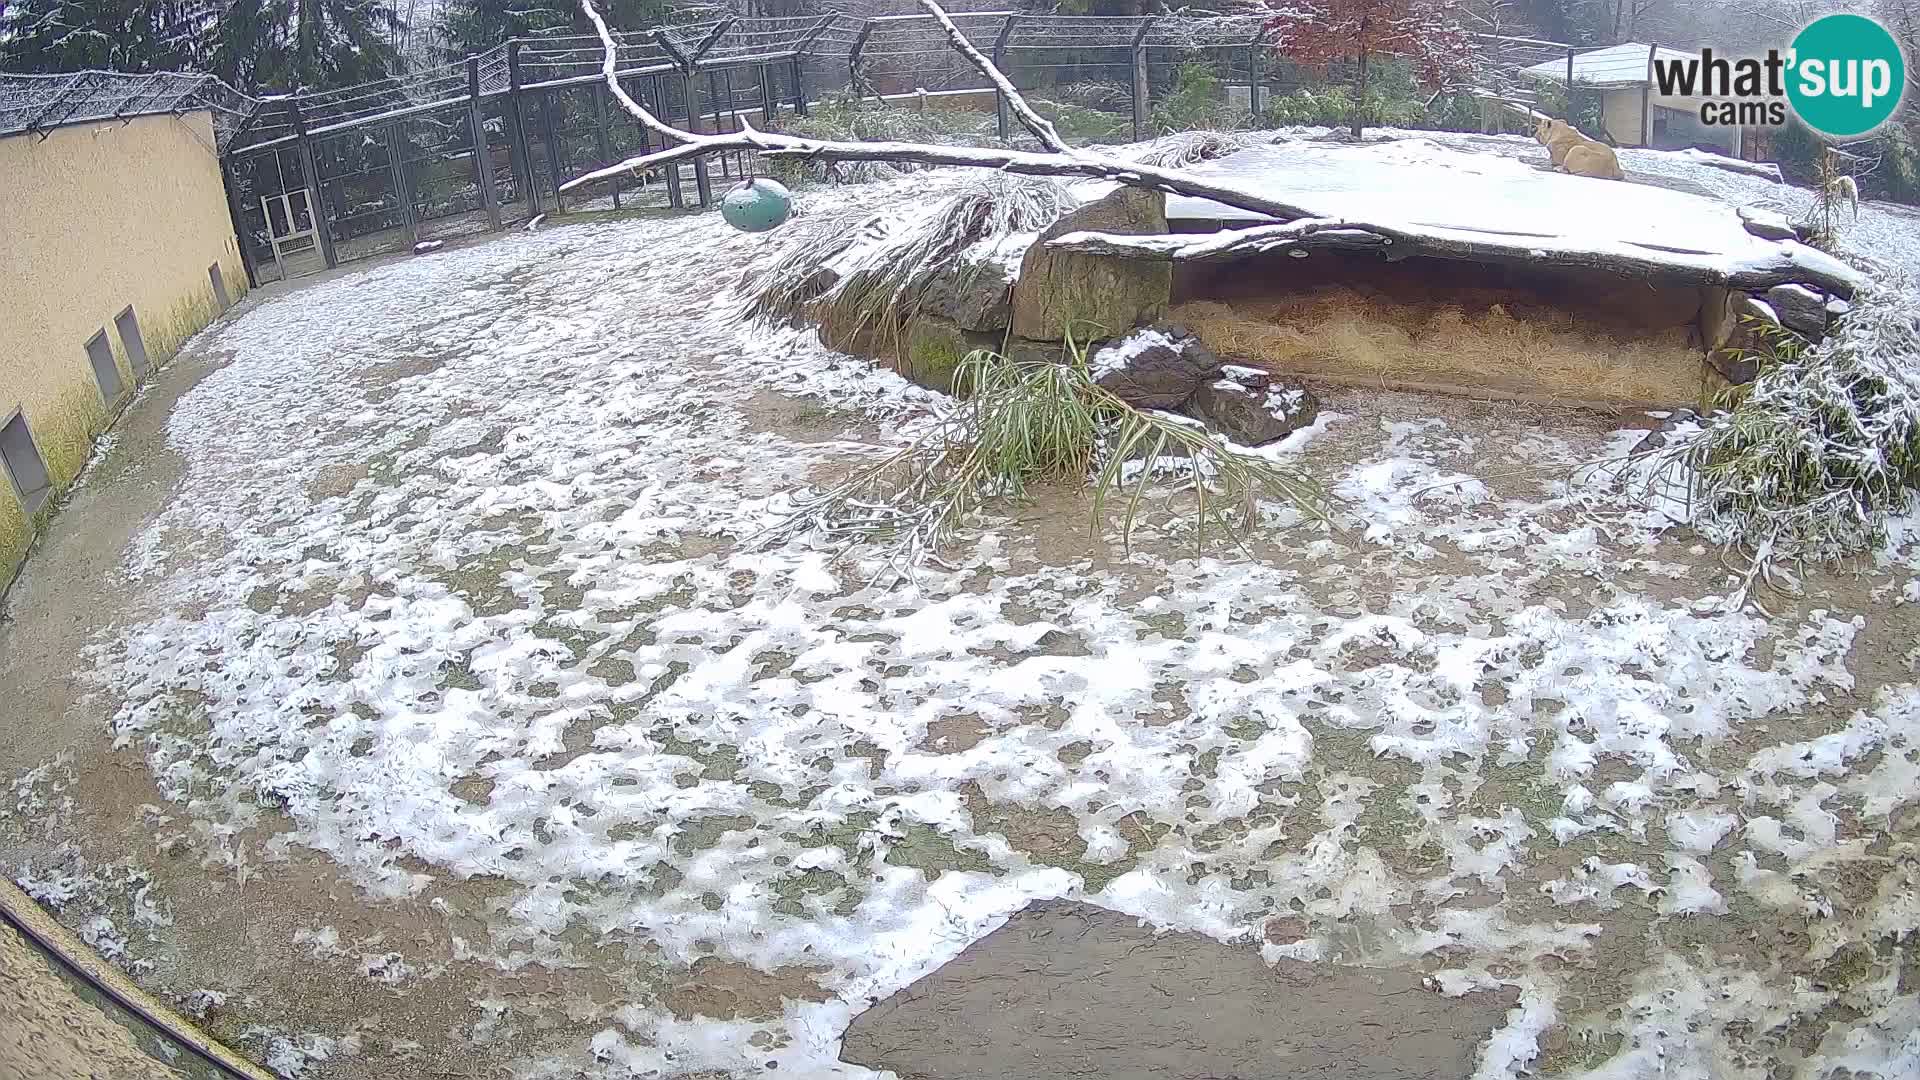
(1065, 161)
(1041, 127)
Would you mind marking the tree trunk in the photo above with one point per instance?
(1360, 98)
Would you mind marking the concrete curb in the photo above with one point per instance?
(25, 915)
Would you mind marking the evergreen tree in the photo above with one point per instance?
(474, 26)
(305, 44)
(73, 35)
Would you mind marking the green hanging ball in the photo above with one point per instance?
(757, 205)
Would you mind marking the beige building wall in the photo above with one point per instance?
(97, 217)
(1620, 112)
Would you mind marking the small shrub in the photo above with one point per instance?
(1196, 102)
(1811, 458)
(1083, 124)
(1021, 424)
(850, 119)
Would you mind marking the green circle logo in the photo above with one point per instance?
(1846, 75)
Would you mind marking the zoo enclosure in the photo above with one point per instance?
(316, 179)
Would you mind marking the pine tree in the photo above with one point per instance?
(474, 26)
(73, 35)
(305, 44)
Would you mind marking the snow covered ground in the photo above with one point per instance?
(460, 591)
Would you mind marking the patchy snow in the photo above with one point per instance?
(500, 533)
(1117, 356)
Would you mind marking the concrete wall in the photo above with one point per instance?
(95, 217)
(1620, 113)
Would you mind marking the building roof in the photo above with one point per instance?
(1614, 66)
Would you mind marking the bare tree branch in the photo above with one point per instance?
(1041, 127)
(1079, 163)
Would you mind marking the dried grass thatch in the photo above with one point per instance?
(860, 278)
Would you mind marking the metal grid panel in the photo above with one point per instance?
(897, 53)
(40, 102)
(1077, 32)
(560, 61)
(1203, 32)
(331, 110)
(758, 39)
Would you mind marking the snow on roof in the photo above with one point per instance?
(1477, 194)
(1615, 65)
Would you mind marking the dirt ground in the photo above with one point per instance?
(212, 894)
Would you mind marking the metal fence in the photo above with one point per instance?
(315, 179)
(321, 178)
(41, 103)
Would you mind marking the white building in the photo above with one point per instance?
(1633, 110)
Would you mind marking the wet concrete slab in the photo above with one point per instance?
(1070, 990)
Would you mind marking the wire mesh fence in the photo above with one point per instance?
(317, 178)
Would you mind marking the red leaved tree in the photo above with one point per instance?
(1427, 33)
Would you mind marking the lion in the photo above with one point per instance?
(1575, 153)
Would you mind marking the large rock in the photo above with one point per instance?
(1799, 309)
(1158, 368)
(932, 348)
(1103, 297)
(1767, 224)
(1251, 407)
(976, 290)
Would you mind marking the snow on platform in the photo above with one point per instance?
(1421, 182)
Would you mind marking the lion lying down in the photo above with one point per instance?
(1576, 153)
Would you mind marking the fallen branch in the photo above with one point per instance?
(1783, 264)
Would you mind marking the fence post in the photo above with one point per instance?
(1139, 53)
(702, 183)
(800, 52)
(856, 81)
(519, 155)
(1569, 108)
(397, 164)
(999, 61)
(1646, 100)
(600, 144)
(1255, 54)
(688, 63)
(769, 104)
(555, 166)
(310, 174)
(482, 160)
